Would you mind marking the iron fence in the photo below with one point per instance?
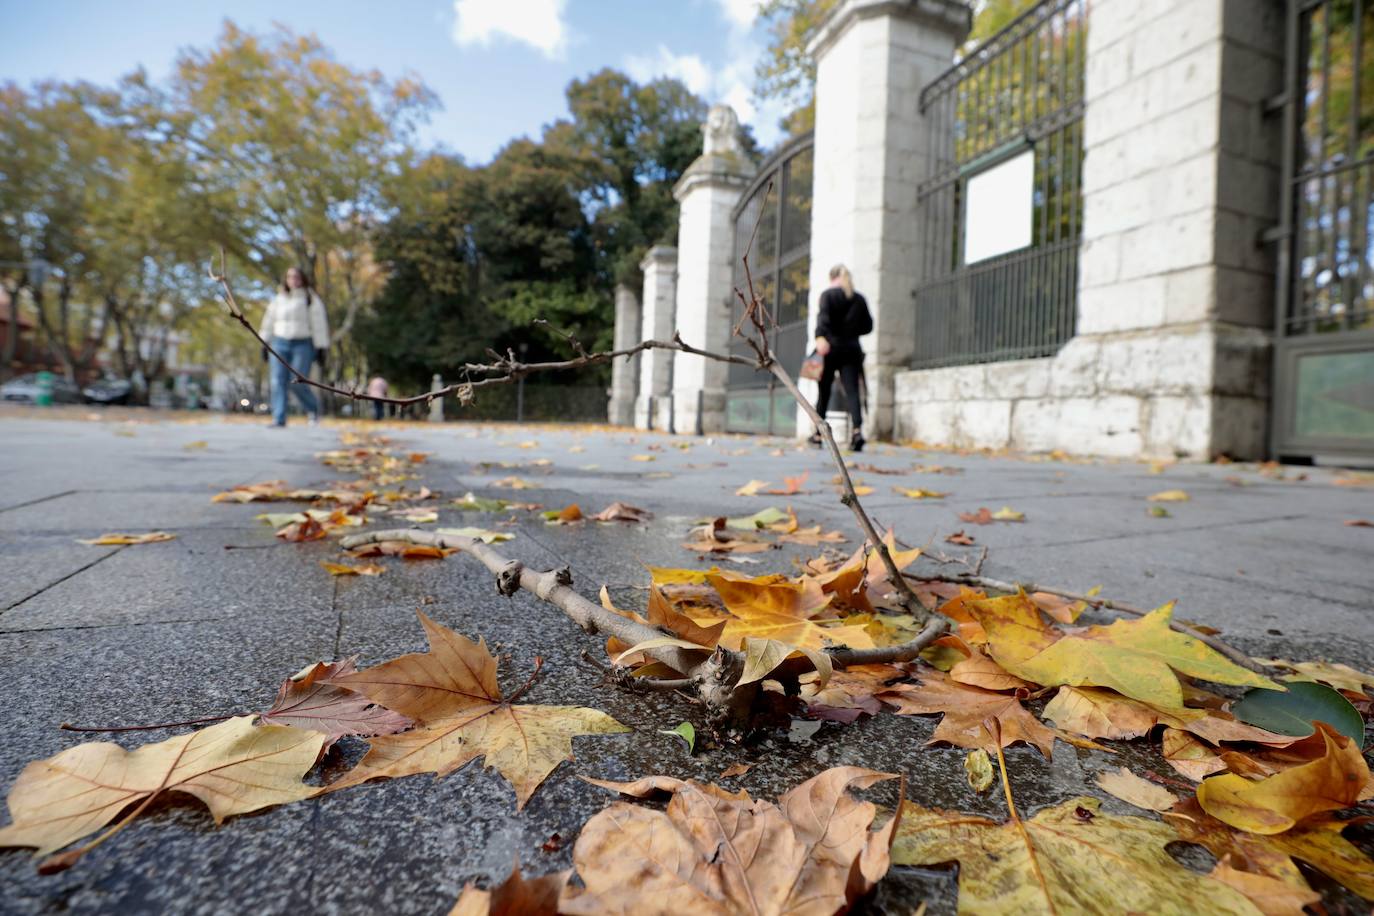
(1021, 90)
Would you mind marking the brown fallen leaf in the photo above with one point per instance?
(965, 708)
(361, 569)
(735, 769)
(233, 767)
(266, 491)
(1317, 842)
(791, 486)
(310, 701)
(782, 611)
(1271, 896)
(812, 537)
(515, 896)
(451, 693)
(403, 549)
(566, 515)
(958, 537)
(1189, 756)
(119, 540)
(1133, 790)
(622, 512)
(1137, 658)
(1070, 858)
(715, 852)
(1335, 674)
(1281, 801)
(1359, 523)
(307, 530)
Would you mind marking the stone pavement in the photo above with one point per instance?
(185, 629)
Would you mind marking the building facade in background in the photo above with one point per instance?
(1115, 228)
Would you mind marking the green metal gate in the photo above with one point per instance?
(780, 264)
(1324, 334)
(1017, 96)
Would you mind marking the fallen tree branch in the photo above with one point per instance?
(1107, 604)
(710, 674)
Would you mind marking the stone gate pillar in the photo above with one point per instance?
(872, 59)
(624, 371)
(1180, 182)
(653, 405)
(706, 195)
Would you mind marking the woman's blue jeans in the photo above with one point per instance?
(300, 352)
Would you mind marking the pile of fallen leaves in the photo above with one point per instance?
(1261, 763)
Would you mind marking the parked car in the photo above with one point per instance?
(108, 391)
(24, 390)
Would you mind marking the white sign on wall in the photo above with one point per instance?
(999, 208)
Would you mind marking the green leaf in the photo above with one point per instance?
(686, 732)
(760, 519)
(1292, 712)
(478, 534)
(471, 503)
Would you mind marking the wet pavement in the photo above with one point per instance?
(188, 628)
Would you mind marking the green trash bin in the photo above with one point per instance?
(44, 398)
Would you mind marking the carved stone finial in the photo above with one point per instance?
(721, 131)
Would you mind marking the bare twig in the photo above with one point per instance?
(502, 371)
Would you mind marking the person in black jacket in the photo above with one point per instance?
(844, 318)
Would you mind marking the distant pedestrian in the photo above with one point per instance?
(377, 388)
(297, 327)
(844, 318)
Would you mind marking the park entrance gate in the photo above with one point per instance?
(1324, 334)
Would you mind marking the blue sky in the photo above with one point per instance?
(499, 67)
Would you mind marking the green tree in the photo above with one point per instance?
(296, 147)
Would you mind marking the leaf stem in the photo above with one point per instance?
(68, 727)
(538, 665)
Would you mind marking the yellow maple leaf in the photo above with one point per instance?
(452, 694)
(1169, 496)
(233, 767)
(965, 710)
(1071, 858)
(120, 540)
(778, 610)
(918, 493)
(1279, 802)
(1136, 658)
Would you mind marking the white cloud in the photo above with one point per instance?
(538, 23)
(739, 13)
(689, 69)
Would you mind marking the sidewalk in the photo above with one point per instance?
(188, 628)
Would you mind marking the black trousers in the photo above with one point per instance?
(849, 370)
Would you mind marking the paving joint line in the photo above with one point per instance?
(41, 499)
(52, 585)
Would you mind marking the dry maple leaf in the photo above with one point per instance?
(307, 530)
(715, 852)
(751, 488)
(622, 512)
(311, 701)
(118, 540)
(782, 611)
(267, 491)
(1341, 677)
(1136, 658)
(958, 537)
(812, 537)
(1273, 805)
(233, 767)
(451, 693)
(1070, 858)
(965, 710)
(851, 692)
(791, 486)
(403, 549)
(515, 896)
(1133, 790)
(1188, 756)
(1096, 712)
(918, 493)
(1317, 842)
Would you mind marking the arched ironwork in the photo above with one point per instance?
(778, 203)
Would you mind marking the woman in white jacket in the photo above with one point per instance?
(297, 327)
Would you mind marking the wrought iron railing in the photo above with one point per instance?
(1021, 89)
